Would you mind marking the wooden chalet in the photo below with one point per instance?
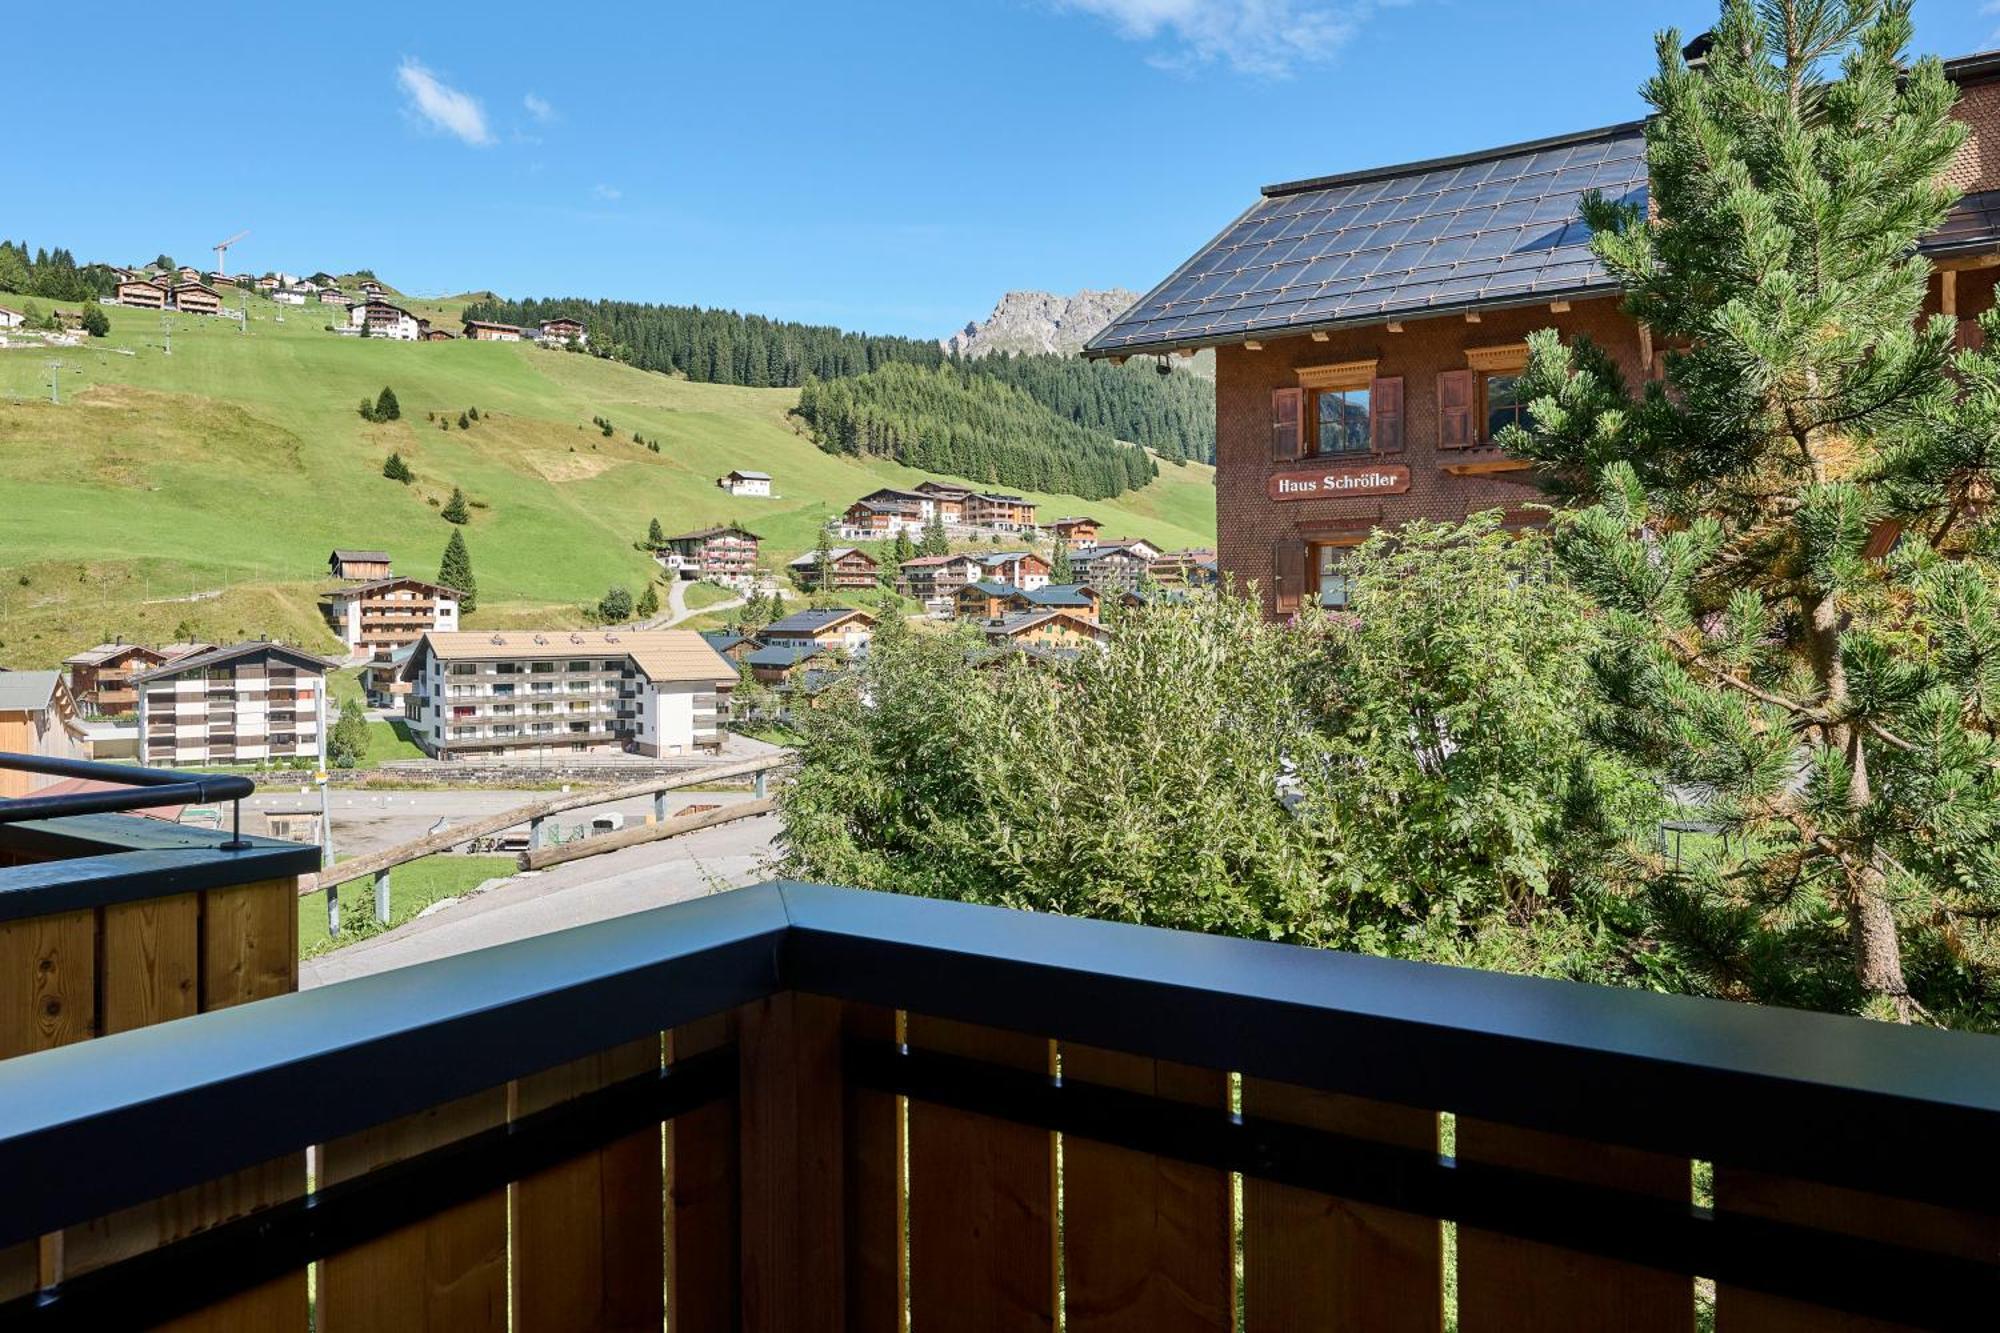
(850, 567)
(1051, 628)
(354, 563)
(487, 331)
(143, 294)
(840, 627)
(192, 298)
(935, 580)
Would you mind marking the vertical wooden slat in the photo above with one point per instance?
(790, 1143)
(1312, 1261)
(1831, 1208)
(875, 1200)
(151, 962)
(702, 1197)
(587, 1243)
(447, 1273)
(48, 984)
(982, 1199)
(1508, 1283)
(250, 942)
(1147, 1243)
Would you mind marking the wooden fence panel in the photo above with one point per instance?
(447, 1273)
(982, 1199)
(589, 1234)
(1508, 1283)
(1832, 1208)
(1312, 1261)
(702, 1207)
(1148, 1244)
(877, 1206)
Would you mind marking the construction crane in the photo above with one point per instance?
(222, 247)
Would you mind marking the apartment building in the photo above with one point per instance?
(380, 319)
(495, 695)
(725, 555)
(389, 612)
(194, 299)
(1008, 512)
(254, 702)
(1023, 569)
(848, 567)
(1370, 329)
(486, 331)
(741, 482)
(1115, 565)
(100, 678)
(562, 329)
(143, 294)
(935, 580)
(841, 628)
(1077, 532)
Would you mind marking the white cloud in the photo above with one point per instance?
(539, 108)
(608, 193)
(442, 106)
(1259, 37)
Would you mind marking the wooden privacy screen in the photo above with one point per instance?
(808, 1204)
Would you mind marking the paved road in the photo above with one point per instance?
(593, 889)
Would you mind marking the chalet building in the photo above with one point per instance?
(1184, 569)
(1076, 533)
(370, 287)
(333, 296)
(267, 284)
(129, 274)
(191, 298)
(1023, 569)
(390, 612)
(1124, 565)
(840, 627)
(731, 644)
(948, 499)
(740, 482)
(777, 665)
(143, 294)
(255, 702)
(346, 563)
(188, 273)
(486, 331)
(935, 580)
(851, 568)
(562, 329)
(1370, 329)
(100, 678)
(223, 280)
(1049, 628)
(289, 296)
(988, 599)
(495, 695)
(1079, 598)
(11, 318)
(383, 679)
(877, 520)
(725, 555)
(379, 319)
(432, 335)
(1010, 513)
(38, 716)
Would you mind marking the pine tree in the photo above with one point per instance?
(649, 601)
(454, 510)
(95, 322)
(935, 542)
(395, 469)
(348, 744)
(1061, 568)
(903, 550)
(1831, 709)
(386, 406)
(455, 571)
(656, 536)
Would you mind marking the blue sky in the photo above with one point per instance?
(887, 166)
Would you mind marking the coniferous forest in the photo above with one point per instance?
(957, 420)
(52, 274)
(1173, 414)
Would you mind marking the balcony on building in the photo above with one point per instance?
(796, 1107)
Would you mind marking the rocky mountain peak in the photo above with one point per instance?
(1040, 322)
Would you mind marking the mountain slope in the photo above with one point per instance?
(1040, 322)
(232, 466)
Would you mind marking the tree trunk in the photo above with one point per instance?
(1871, 923)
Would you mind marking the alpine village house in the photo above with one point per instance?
(1369, 328)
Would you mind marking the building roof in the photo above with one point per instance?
(1107, 550)
(662, 654)
(1063, 594)
(1972, 225)
(104, 652)
(27, 691)
(1020, 622)
(706, 533)
(748, 476)
(783, 655)
(208, 657)
(360, 557)
(811, 558)
(561, 319)
(991, 588)
(1066, 522)
(487, 324)
(811, 622)
(1447, 234)
(993, 558)
(722, 640)
(347, 590)
(926, 561)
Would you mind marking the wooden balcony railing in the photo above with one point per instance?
(793, 1108)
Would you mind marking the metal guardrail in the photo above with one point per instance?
(148, 787)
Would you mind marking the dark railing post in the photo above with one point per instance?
(659, 807)
(382, 896)
(332, 908)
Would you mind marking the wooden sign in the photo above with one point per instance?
(1324, 483)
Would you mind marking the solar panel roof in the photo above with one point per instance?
(1447, 234)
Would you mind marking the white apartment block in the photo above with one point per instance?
(379, 319)
(523, 692)
(391, 612)
(249, 703)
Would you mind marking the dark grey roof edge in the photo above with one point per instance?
(1094, 346)
(1977, 65)
(1453, 160)
(1588, 292)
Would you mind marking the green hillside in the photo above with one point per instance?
(224, 472)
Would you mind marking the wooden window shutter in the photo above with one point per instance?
(1455, 395)
(1291, 571)
(1385, 420)
(1287, 407)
